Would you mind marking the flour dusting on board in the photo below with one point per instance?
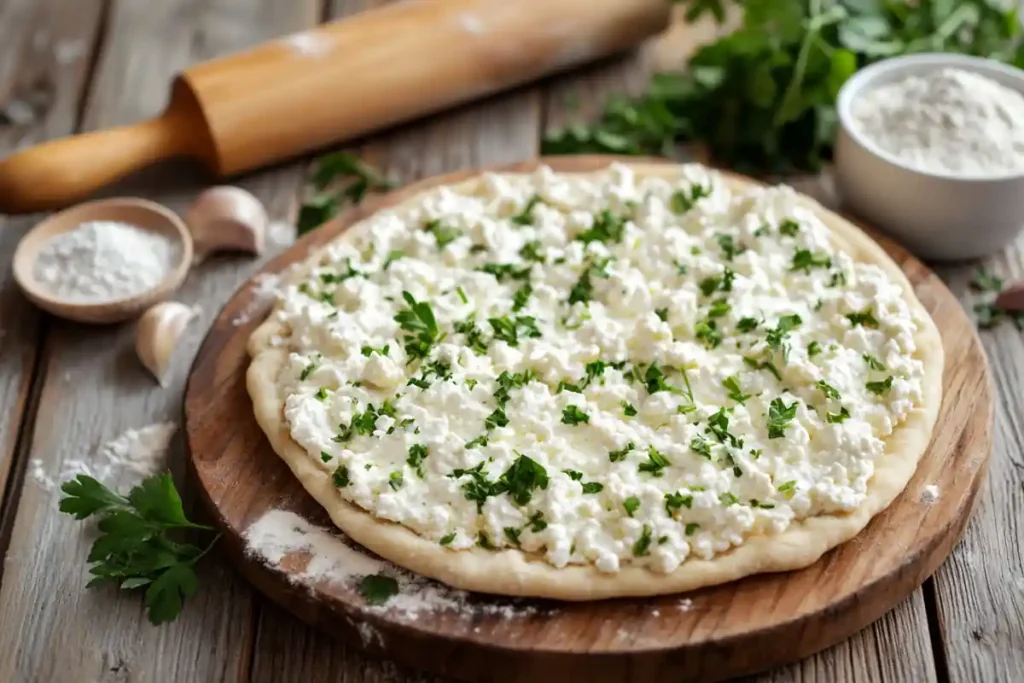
(930, 494)
(308, 44)
(264, 290)
(282, 539)
(470, 23)
(122, 462)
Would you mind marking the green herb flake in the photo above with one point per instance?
(684, 200)
(521, 478)
(616, 456)
(420, 326)
(804, 260)
(656, 462)
(837, 418)
(873, 362)
(986, 282)
(727, 499)
(537, 523)
(443, 234)
(591, 487)
(377, 589)
(447, 539)
(572, 415)
(863, 318)
(675, 501)
(827, 389)
(692, 528)
(321, 394)
(341, 478)
(789, 228)
(779, 417)
(512, 534)
(521, 297)
(735, 393)
(813, 349)
(879, 388)
(417, 454)
(396, 480)
(747, 324)
(642, 546)
(631, 505)
(525, 217)
(701, 446)
(787, 489)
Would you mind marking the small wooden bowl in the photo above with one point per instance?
(141, 213)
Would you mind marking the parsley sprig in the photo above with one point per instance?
(135, 547)
(420, 326)
(356, 179)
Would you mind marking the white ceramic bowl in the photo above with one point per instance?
(937, 216)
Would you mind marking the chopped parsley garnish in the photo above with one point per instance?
(420, 326)
(341, 478)
(307, 371)
(325, 456)
(393, 255)
(631, 505)
(707, 332)
(616, 456)
(509, 329)
(879, 388)
(763, 365)
(478, 489)
(701, 446)
(805, 259)
(863, 318)
(607, 227)
(827, 389)
(496, 419)
(521, 478)
(684, 200)
(728, 246)
(789, 228)
(507, 381)
(572, 415)
(654, 380)
(723, 282)
(836, 418)
(341, 276)
(656, 462)
(986, 282)
(474, 335)
(718, 424)
(779, 417)
(575, 475)
(681, 268)
(396, 480)
(674, 501)
(838, 278)
(478, 442)
(628, 409)
(507, 271)
(512, 534)
(873, 362)
(417, 454)
(813, 349)
(719, 308)
(732, 386)
(484, 541)
(462, 294)
(522, 297)
(377, 589)
(447, 538)
(727, 499)
(787, 489)
(593, 487)
(531, 252)
(536, 522)
(443, 234)
(365, 422)
(583, 290)
(368, 350)
(747, 324)
(662, 314)
(321, 394)
(643, 544)
(691, 528)
(525, 217)
(777, 338)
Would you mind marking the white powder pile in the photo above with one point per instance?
(930, 494)
(122, 462)
(282, 539)
(101, 261)
(948, 121)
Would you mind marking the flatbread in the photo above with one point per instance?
(513, 572)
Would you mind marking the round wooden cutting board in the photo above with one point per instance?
(706, 635)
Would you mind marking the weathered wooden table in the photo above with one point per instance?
(66, 388)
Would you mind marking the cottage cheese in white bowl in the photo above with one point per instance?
(931, 150)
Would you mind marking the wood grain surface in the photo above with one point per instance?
(90, 63)
(722, 632)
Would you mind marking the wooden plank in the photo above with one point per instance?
(94, 389)
(979, 592)
(44, 64)
(502, 129)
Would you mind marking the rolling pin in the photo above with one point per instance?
(334, 83)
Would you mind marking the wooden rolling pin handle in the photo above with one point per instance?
(62, 171)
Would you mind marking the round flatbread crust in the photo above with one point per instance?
(512, 572)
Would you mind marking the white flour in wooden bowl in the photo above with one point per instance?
(948, 121)
(102, 261)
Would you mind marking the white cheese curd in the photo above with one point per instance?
(602, 369)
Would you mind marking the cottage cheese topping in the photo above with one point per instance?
(602, 369)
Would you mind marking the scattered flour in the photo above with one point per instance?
(122, 462)
(308, 44)
(264, 290)
(282, 539)
(684, 605)
(947, 121)
(101, 261)
(282, 233)
(930, 494)
(69, 51)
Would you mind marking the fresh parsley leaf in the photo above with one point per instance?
(835, 418)
(417, 454)
(531, 252)
(307, 371)
(368, 350)
(537, 523)
(420, 327)
(827, 389)
(512, 534)
(359, 178)
(575, 475)
(473, 334)
(777, 338)
(986, 282)
(396, 480)
(642, 546)
(863, 318)
(813, 349)
(443, 233)
(789, 228)
(593, 487)
(747, 324)
(656, 462)
(521, 478)
(727, 499)
(525, 217)
(691, 528)
(779, 417)
(763, 365)
(377, 589)
(684, 200)
(135, 547)
(732, 386)
(447, 539)
(507, 271)
(700, 446)
(616, 456)
(521, 297)
(607, 228)
(628, 409)
(788, 489)
(509, 329)
(873, 362)
(341, 478)
(675, 501)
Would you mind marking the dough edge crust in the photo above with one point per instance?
(514, 573)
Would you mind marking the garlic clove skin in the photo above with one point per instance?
(227, 218)
(157, 334)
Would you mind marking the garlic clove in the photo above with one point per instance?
(157, 334)
(1011, 298)
(227, 218)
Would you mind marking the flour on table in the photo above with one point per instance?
(265, 288)
(930, 494)
(282, 233)
(470, 23)
(308, 44)
(948, 121)
(279, 535)
(102, 261)
(122, 462)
